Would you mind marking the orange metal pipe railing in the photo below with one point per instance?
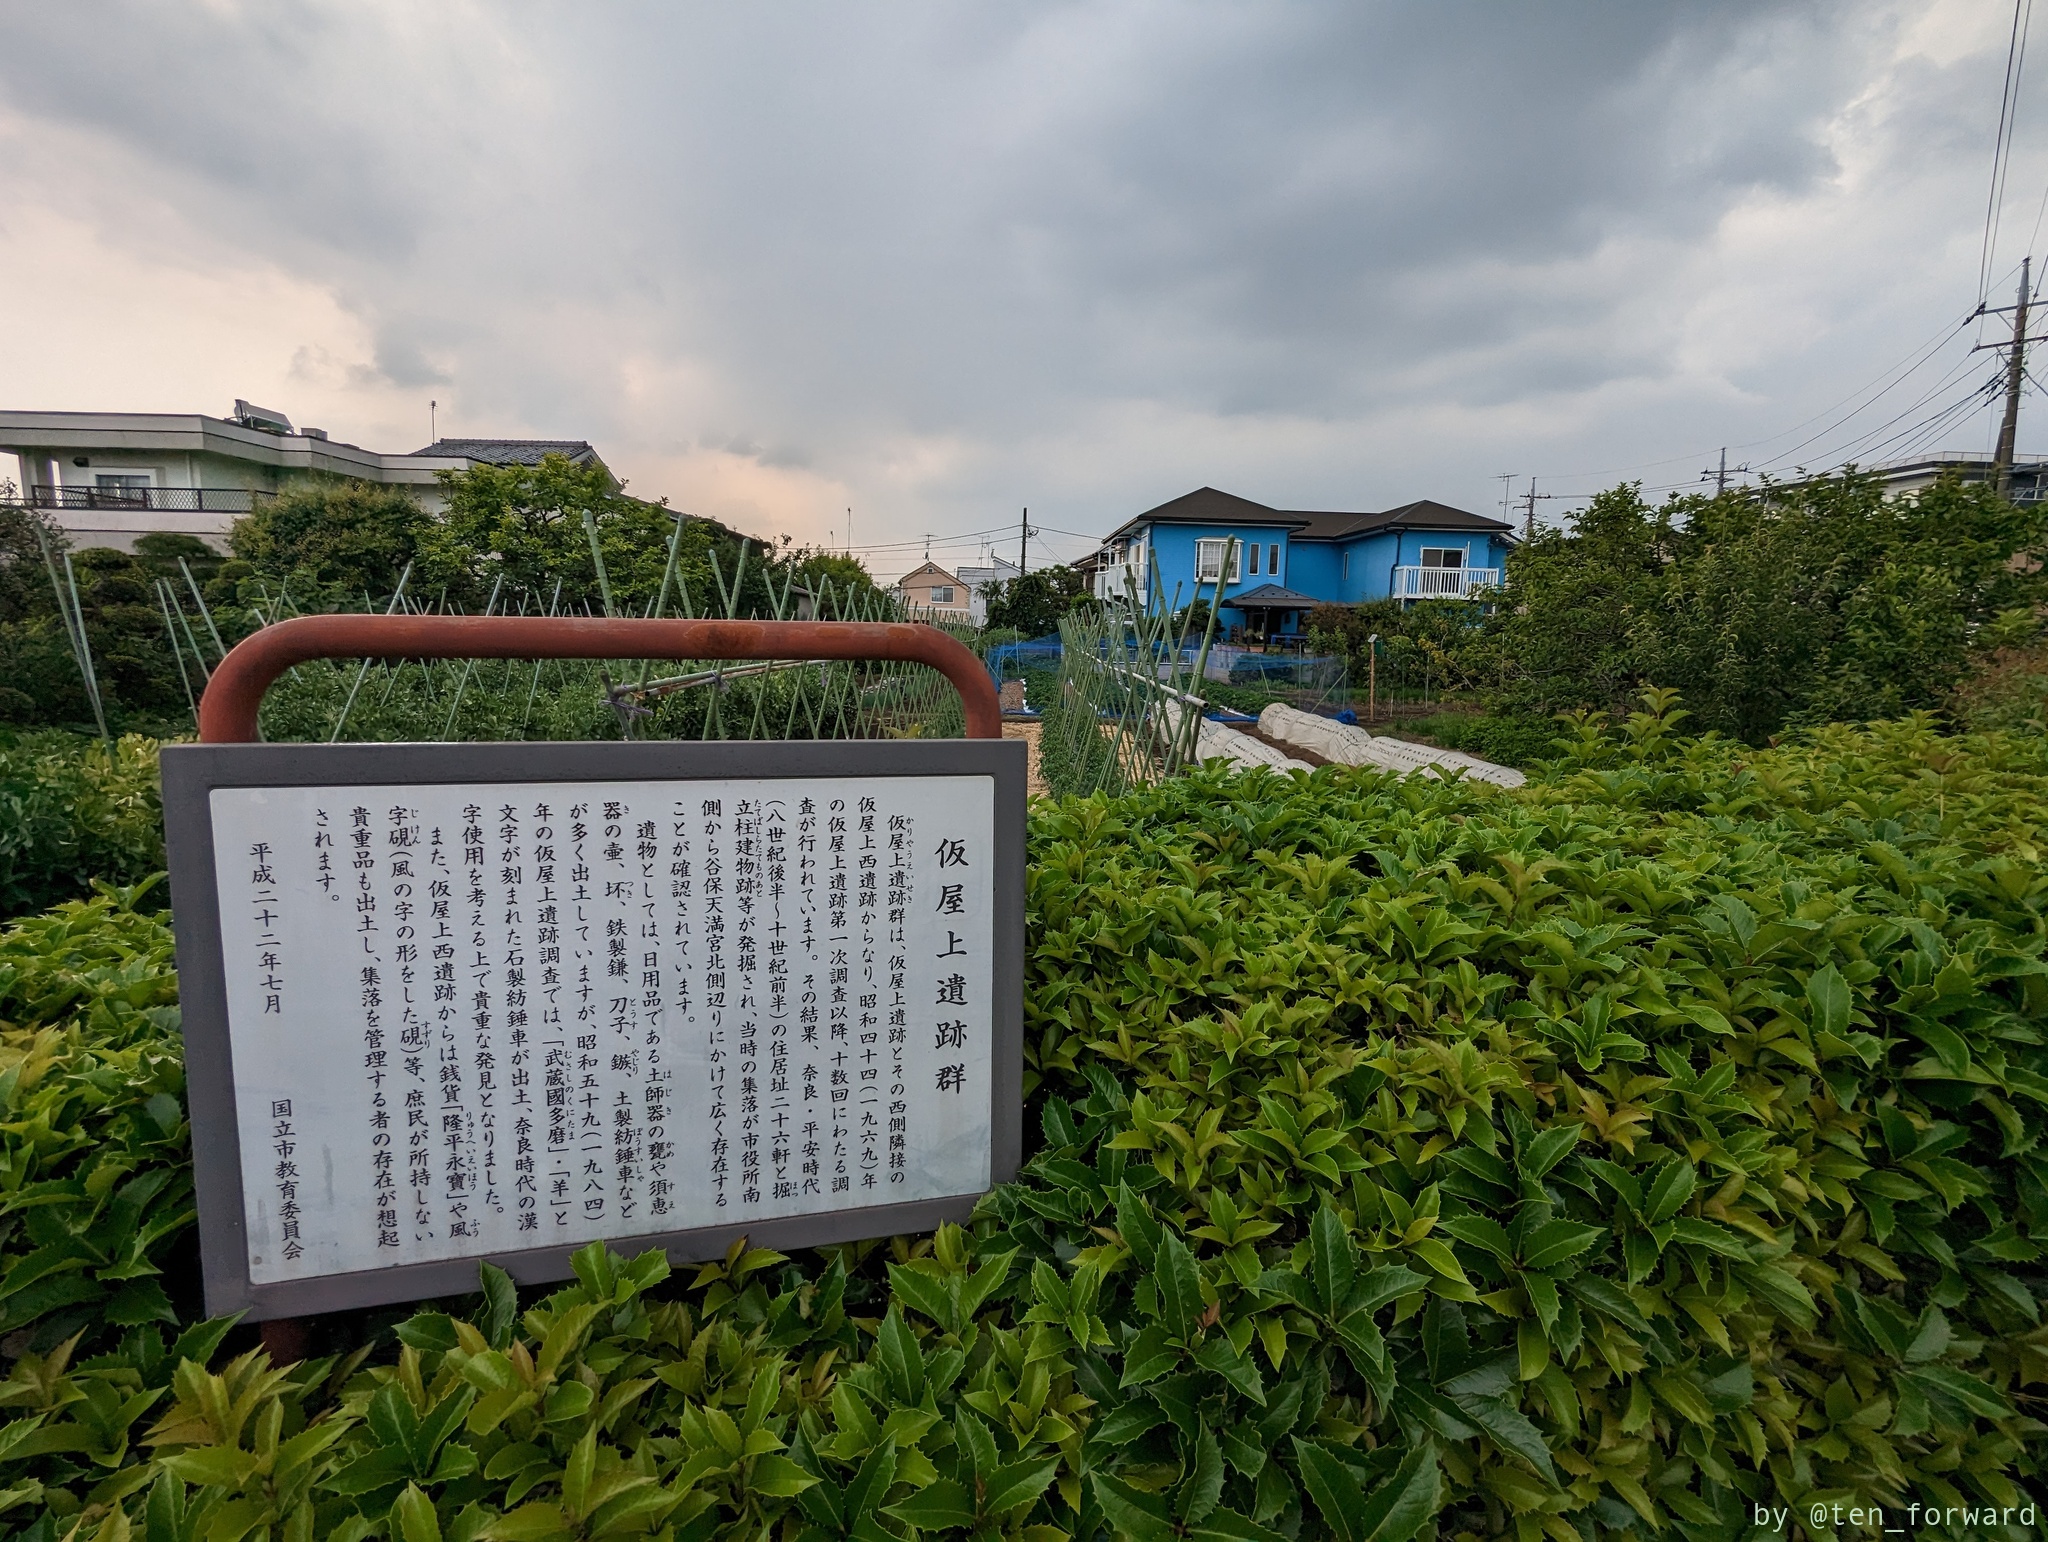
(227, 712)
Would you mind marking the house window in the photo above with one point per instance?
(122, 486)
(1443, 556)
(1209, 561)
(1347, 565)
(942, 594)
(1255, 559)
(1273, 559)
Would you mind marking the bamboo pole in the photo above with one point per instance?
(177, 653)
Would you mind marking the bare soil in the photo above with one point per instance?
(1034, 778)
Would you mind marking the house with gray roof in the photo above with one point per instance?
(1282, 563)
(111, 477)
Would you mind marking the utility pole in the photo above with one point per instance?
(2015, 372)
(1719, 475)
(1023, 540)
(1529, 500)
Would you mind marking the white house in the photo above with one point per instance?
(110, 477)
(996, 572)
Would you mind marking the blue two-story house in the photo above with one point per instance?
(1287, 561)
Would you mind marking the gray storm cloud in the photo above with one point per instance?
(942, 261)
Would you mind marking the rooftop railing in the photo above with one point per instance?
(184, 500)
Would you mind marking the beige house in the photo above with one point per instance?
(936, 595)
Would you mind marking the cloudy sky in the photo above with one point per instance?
(937, 262)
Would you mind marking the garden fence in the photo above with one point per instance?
(469, 699)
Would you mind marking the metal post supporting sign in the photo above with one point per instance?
(454, 1002)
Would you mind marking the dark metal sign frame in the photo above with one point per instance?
(228, 713)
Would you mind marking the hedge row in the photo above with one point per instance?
(1410, 1157)
(72, 809)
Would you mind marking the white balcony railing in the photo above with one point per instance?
(1117, 580)
(1442, 583)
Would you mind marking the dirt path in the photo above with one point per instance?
(1034, 778)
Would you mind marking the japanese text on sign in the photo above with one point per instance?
(480, 1018)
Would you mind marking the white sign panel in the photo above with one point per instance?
(475, 1019)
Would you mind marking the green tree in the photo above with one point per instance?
(24, 580)
(845, 575)
(350, 538)
(528, 524)
(124, 630)
(1564, 635)
(1032, 603)
(163, 551)
(1828, 601)
(1442, 637)
(1821, 601)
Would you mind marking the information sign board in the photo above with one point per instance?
(452, 1002)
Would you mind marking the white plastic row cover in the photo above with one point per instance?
(1352, 746)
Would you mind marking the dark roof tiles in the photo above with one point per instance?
(1423, 514)
(1206, 505)
(1273, 597)
(1209, 506)
(511, 452)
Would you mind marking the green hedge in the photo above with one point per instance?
(1506, 740)
(73, 809)
(1613, 1156)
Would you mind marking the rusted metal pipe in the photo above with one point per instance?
(227, 712)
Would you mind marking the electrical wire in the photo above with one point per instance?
(1785, 455)
(1836, 454)
(2001, 149)
(1903, 369)
(897, 547)
(1907, 440)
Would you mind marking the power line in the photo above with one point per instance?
(1904, 368)
(967, 535)
(2001, 149)
(1911, 437)
(1785, 455)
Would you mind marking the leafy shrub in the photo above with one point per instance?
(1611, 1156)
(2008, 690)
(1508, 740)
(95, 1165)
(72, 809)
(355, 537)
(1819, 601)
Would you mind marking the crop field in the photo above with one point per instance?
(1605, 1158)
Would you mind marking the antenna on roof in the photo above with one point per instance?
(433, 422)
